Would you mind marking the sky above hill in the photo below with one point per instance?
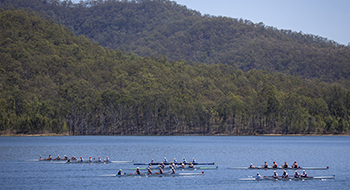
(326, 18)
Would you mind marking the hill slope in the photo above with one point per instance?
(162, 27)
(54, 81)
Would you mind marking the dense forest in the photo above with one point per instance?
(54, 81)
(163, 27)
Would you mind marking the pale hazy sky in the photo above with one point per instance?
(326, 18)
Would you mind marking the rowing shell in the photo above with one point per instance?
(279, 168)
(186, 168)
(168, 163)
(93, 162)
(288, 179)
(151, 175)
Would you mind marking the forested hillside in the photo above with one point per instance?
(54, 81)
(163, 27)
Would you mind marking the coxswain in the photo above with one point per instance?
(184, 161)
(165, 160)
(138, 172)
(285, 165)
(149, 170)
(258, 176)
(251, 165)
(295, 165)
(275, 175)
(274, 165)
(120, 172)
(265, 165)
(193, 160)
(296, 174)
(172, 170)
(81, 159)
(285, 174)
(304, 174)
(99, 159)
(160, 170)
(175, 161)
(90, 160)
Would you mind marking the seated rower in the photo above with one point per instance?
(285, 165)
(184, 161)
(49, 158)
(182, 165)
(285, 174)
(160, 170)
(90, 160)
(172, 170)
(193, 160)
(296, 174)
(274, 165)
(57, 158)
(258, 176)
(175, 161)
(162, 165)
(137, 172)
(152, 161)
(191, 165)
(149, 170)
(265, 165)
(107, 159)
(99, 159)
(120, 172)
(65, 158)
(73, 158)
(251, 165)
(40, 159)
(173, 165)
(275, 175)
(165, 160)
(81, 159)
(69, 160)
(304, 174)
(295, 165)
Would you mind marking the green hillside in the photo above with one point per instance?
(54, 81)
(163, 27)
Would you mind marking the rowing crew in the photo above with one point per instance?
(274, 165)
(75, 159)
(175, 161)
(149, 171)
(285, 175)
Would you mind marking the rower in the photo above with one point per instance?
(173, 165)
(296, 174)
(73, 158)
(152, 161)
(184, 161)
(172, 170)
(99, 159)
(295, 165)
(165, 160)
(90, 160)
(265, 165)
(304, 174)
(162, 165)
(160, 170)
(258, 176)
(149, 171)
(49, 158)
(57, 158)
(182, 165)
(120, 172)
(285, 174)
(81, 159)
(275, 175)
(40, 159)
(69, 161)
(138, 172)
(251, 165)
(65, 157)
(175, 161)
(285, 165)
(193, 160)
(274, 165)
(107, 159)
(191, 165)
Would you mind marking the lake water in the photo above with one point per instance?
(227, 151)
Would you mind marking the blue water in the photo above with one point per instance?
(17, 173)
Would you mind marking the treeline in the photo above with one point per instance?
(54, 81)
(163, 27)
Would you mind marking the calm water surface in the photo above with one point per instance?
(17, 173)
